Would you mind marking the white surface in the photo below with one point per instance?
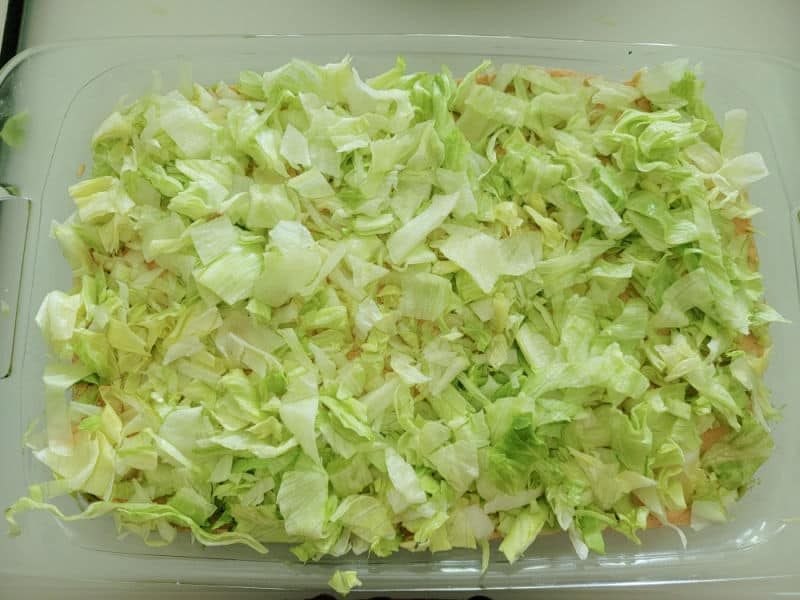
(768, 26)
(44, 589)
(760, 25)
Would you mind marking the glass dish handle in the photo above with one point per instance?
(14, 214)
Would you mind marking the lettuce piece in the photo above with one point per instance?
(299, 418)
(366, 517)
(14, 129)
(401, 243)
(486, 258)
(262, 523)
(212, 238)
(294, 147)
(736, 458)
(135, 514)
(403, 478)
(426, 296)
(598, 209)
(343, 582)
(189, 127)
(232, 275)
(302, 499)
(457, 463)
(522, 533)
(99, 199)
(188, 502)
(311, 184)
(512, 457)
(269, 205)
(247, 442)
(57, 315)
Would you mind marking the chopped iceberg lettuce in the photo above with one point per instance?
(409, 312)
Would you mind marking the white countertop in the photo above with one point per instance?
(767, 26)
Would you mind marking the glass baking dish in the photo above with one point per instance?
(68, 89)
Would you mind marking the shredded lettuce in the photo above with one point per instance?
(408, 313)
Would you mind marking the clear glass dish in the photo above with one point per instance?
(68, 89)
